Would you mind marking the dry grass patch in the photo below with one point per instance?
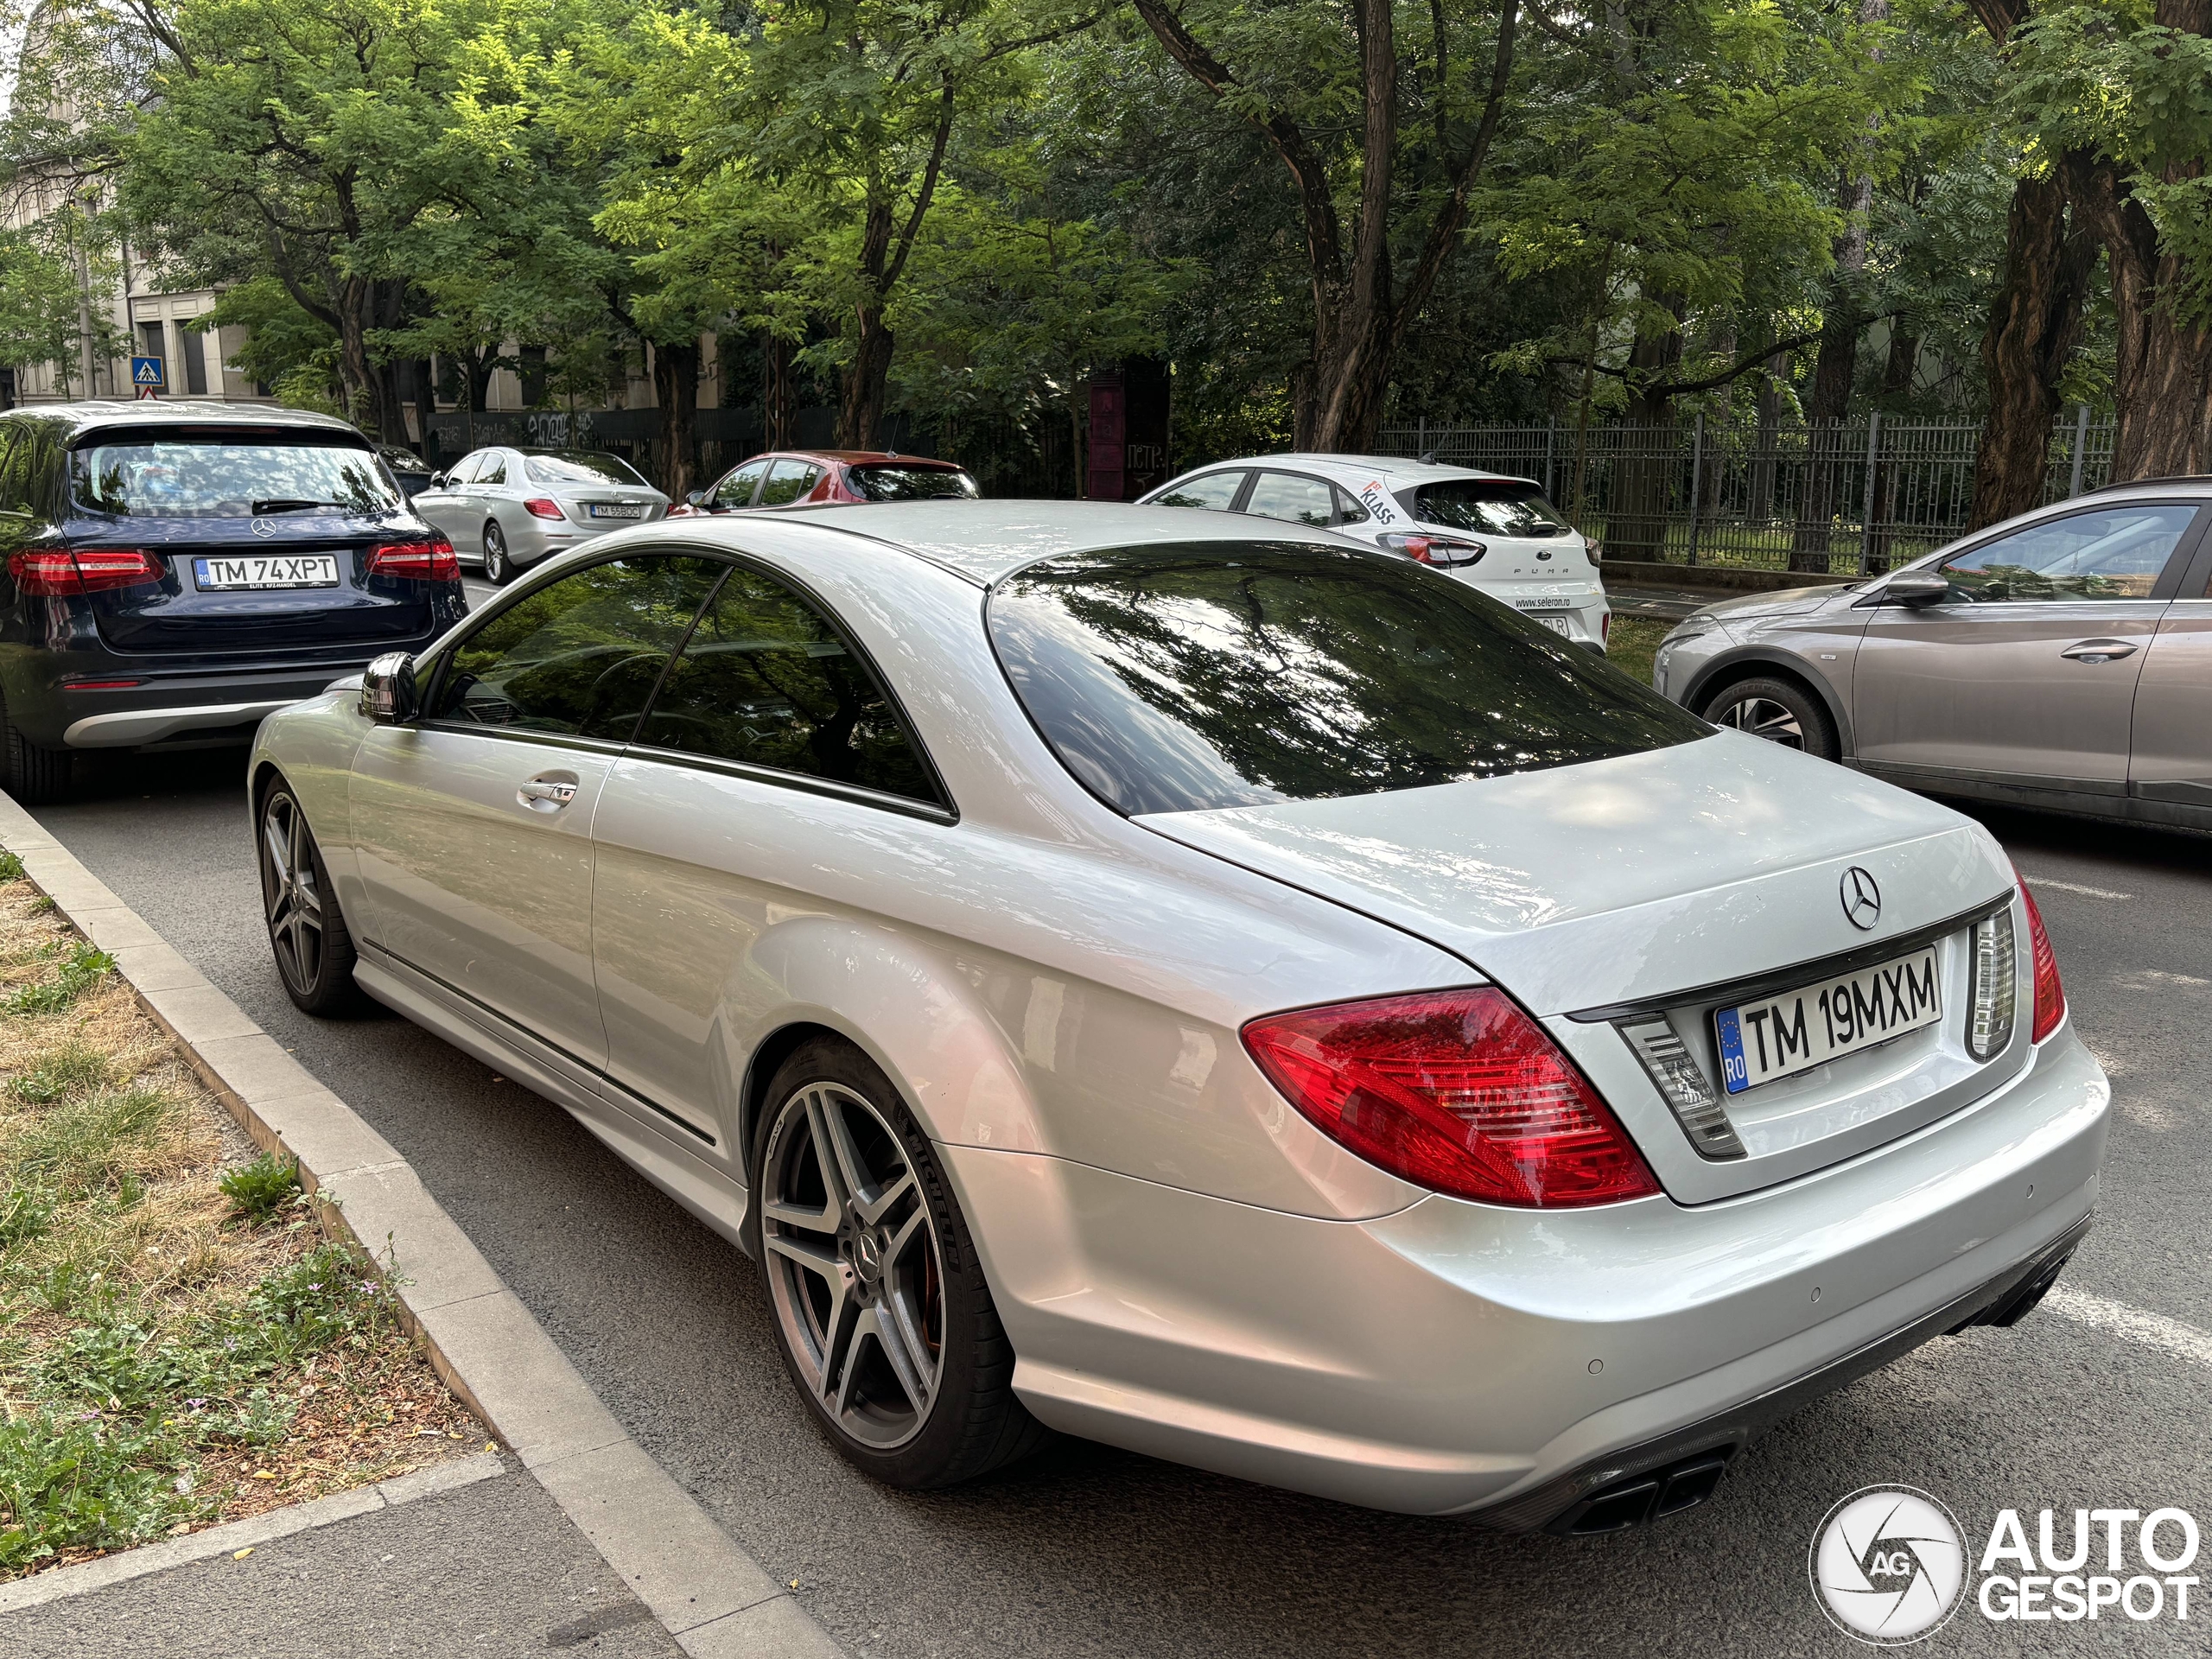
(180, 1345)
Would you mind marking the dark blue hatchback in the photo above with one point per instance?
(170, 573)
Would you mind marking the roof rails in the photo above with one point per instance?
(2146, 483)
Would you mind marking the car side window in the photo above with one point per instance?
(736, 490)
(2112, 553)
(788, 480)
(579, 657)
(767, 681)
(1349, 511)
(492, 469)
(1292, 498)
(1214, 491)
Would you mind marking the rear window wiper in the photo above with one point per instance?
(287, 504)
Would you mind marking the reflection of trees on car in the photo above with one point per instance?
(579, 657)
(765, 681)
(1173, 680)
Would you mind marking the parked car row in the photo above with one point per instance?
(1238, 977)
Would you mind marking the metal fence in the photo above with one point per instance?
(1852, 497)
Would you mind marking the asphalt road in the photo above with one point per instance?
(1087, 1551)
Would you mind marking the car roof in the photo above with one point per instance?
(856, 457)
(95, 413)
(1392, 472)
(985, 540)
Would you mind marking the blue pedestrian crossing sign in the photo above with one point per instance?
(146, 375)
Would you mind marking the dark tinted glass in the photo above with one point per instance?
(767, 681)
(579, 657)
(787, 481)
(222, 475)
(581, 466)
(1499, 507)
(893, 483)
(1214, 491)
(1176, 678)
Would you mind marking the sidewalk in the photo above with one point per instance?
(493, 1569)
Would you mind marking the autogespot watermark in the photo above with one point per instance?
(1890, 1565)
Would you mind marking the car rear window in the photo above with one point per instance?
(582, 467)
(1193, 676)
(888, 481)
(1495, 506)
(224, 474)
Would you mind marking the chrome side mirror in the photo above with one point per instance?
(1911, 588)
(388, 688)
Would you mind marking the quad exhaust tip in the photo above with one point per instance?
(1667, 1491)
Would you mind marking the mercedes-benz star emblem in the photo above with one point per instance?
(264, 528)
(1862, 899)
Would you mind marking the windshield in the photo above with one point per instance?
(1194, 676)
(1495, 507)
(229, 475)
(878, 482)
(582, 467)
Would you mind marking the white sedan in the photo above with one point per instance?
(1495, 533)
(1091, 960)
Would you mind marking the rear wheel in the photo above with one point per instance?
(886, 1325)
(498, 565)
(306, 931)
(1781, 711)
(36, 775)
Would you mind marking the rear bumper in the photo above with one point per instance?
(1461, 1359)
(168, 708)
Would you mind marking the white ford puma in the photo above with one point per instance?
(1208, 987)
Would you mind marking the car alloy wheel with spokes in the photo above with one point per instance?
(307, 932)
(886, 1325)
(1778, 710)
(496, 569)
(853, 1265)
(1763, 717)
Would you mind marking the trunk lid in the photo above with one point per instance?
(1647, 880)
(185, 613)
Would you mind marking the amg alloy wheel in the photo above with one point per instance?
(306, 934)
(885, 1323)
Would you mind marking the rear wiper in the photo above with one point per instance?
(285, 504)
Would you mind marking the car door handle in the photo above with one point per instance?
(547, 792)
(2099, 651)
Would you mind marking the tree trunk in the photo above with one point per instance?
(2035, 326)
(776, 393)
(675, 392)
(1759, 509)
(1643, 478)
(426, 399)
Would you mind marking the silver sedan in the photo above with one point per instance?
(1091, 962)
(506, 509)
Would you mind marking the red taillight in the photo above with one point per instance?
(53, 573)
(2051, 996)
(1606, 629)
(1458, 1091)
(540, 506)
(426, 561)
(1434, 549)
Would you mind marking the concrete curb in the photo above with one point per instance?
(1727, 578)
(88, 1576)
(712, 1598)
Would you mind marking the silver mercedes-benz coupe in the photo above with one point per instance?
(1205, 986)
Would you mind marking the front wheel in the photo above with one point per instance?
(1781, 711)
(498, 565)
(307, 932)
(885, 1323)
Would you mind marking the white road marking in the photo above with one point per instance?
(2075, 887)
(2135, 1324)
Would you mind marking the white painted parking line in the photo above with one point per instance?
(2075, 887)
(2135, 1324)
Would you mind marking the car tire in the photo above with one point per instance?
(37, 776)
(867, 1261)
(1781, 711)
(499, 564)
(308, 935)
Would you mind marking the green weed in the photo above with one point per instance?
(258, 1190)
(83, 969)
(73, 1070)
(11, 867)
(87, 1145)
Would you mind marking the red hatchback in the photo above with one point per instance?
(785, 478)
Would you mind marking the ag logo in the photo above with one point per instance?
(1888, 1565)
